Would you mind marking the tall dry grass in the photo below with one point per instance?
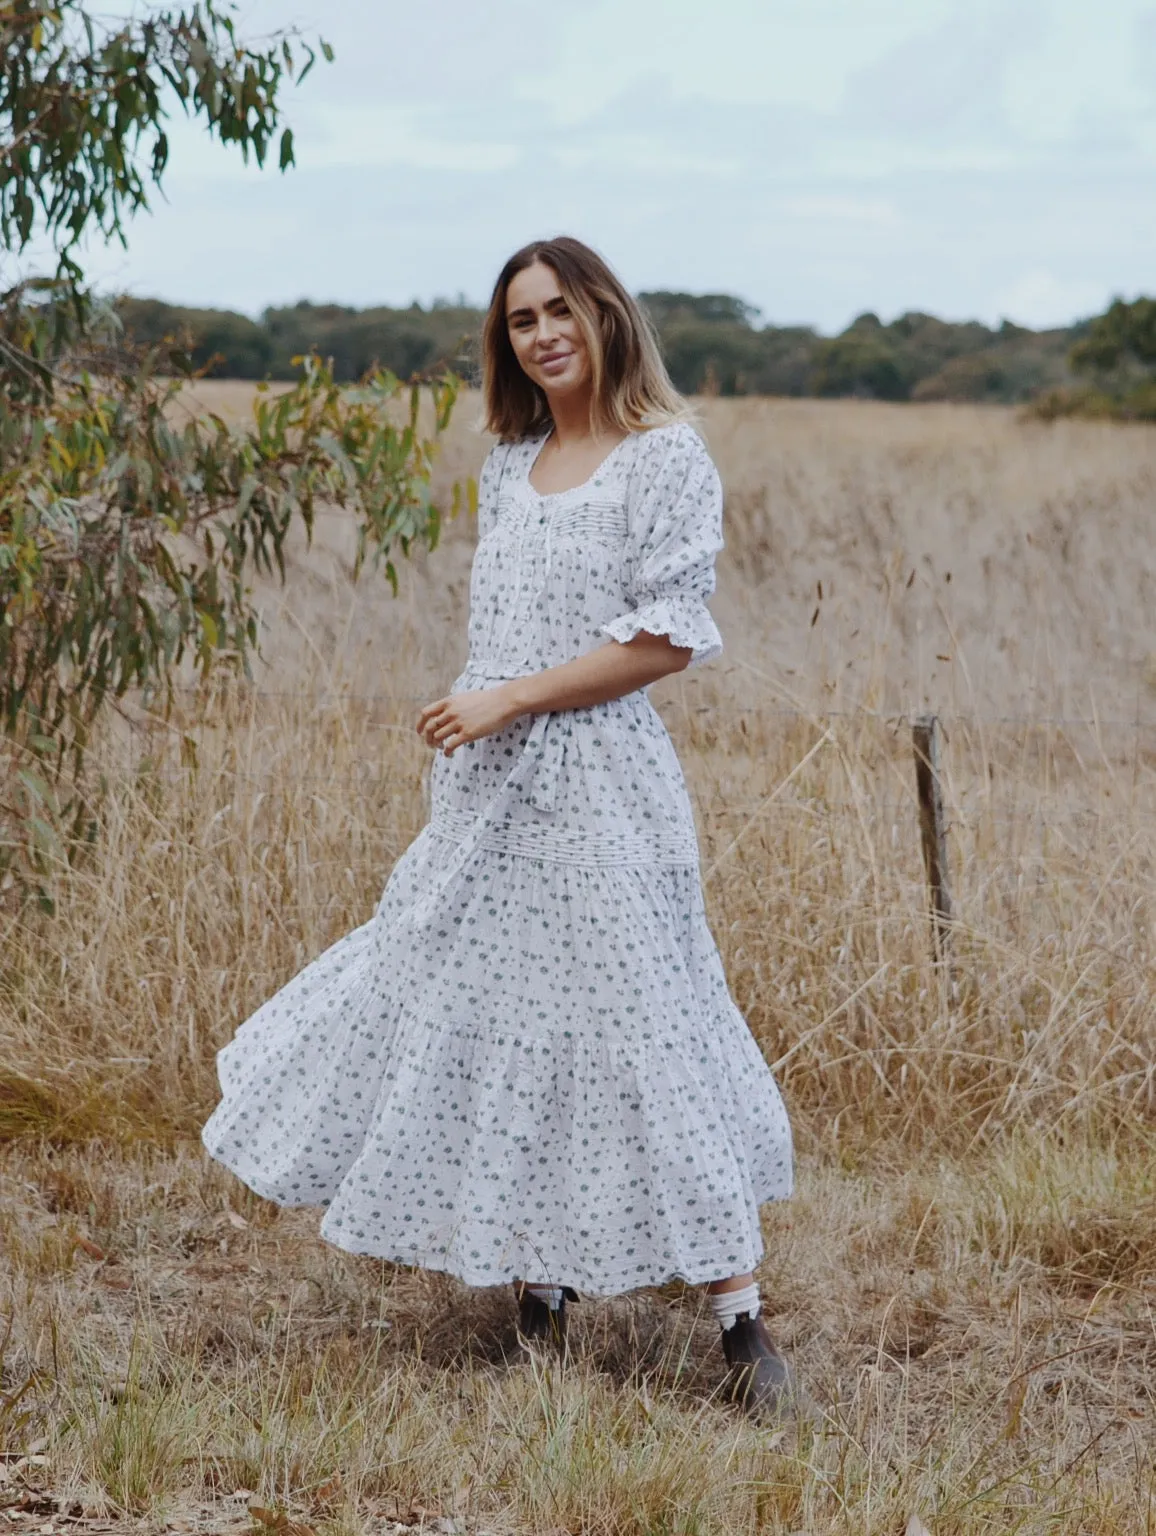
(211, 885)
(967, 1273)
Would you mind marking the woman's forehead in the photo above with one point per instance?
(535, 284)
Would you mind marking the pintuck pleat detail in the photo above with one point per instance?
(572, 845)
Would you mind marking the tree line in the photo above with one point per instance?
(713, 344)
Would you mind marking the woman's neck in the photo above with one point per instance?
(571, 414)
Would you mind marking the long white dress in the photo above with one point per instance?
(528, 1063)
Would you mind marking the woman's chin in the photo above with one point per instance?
(562, 386)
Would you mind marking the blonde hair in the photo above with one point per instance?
(631, 391)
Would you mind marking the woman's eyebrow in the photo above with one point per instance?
(525, 309)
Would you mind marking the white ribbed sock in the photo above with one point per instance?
(550, 1294)
(728, 1306)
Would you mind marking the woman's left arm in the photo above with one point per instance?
(606, 673)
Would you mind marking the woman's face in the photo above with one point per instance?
(544, 334)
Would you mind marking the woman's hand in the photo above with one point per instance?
(449, 723)
(608, 672)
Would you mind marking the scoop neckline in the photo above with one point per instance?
(570, 489)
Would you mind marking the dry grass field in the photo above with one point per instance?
(967, 1276)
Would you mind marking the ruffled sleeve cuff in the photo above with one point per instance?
(685, 619)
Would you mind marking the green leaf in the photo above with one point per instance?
(286, 158)
(35, 786)
(45, 837)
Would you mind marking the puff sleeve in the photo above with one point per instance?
(674, 512)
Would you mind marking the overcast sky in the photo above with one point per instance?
(816, 157)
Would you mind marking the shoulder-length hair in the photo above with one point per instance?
(632, 390)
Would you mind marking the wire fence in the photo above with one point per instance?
(1132, 745)
(1139, 722)
(1024, 805)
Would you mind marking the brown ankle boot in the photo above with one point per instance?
(758, 1377)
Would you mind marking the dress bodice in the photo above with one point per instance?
(631, 548)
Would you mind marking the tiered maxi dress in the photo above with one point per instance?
(528, 1063)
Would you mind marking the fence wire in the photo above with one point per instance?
(367, 774)
(959, 718)
(366, 771)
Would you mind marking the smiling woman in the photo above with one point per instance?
(563, 334)
(528, 1065)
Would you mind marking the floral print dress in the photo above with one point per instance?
(527, 1063)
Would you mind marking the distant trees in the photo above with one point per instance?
(212, 335)
(862, 361)
(406, 341)
(224, 344)
(1113, 361)
(1118, 355)
(1122, 338)
(714, 343)
(666, 308)
(712, 346)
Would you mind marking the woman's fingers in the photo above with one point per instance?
(431, 718)
(441, 726)
(447, 730)
(427, 715)
(456, 720)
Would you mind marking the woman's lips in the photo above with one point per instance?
(556, 363)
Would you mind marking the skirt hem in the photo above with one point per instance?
(700, 1271)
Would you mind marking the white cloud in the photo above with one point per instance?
(1040, 299)
(839, 208)
(947, 84)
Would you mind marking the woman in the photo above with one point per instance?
(528, 1066)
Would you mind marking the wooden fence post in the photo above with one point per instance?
(933, 828)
